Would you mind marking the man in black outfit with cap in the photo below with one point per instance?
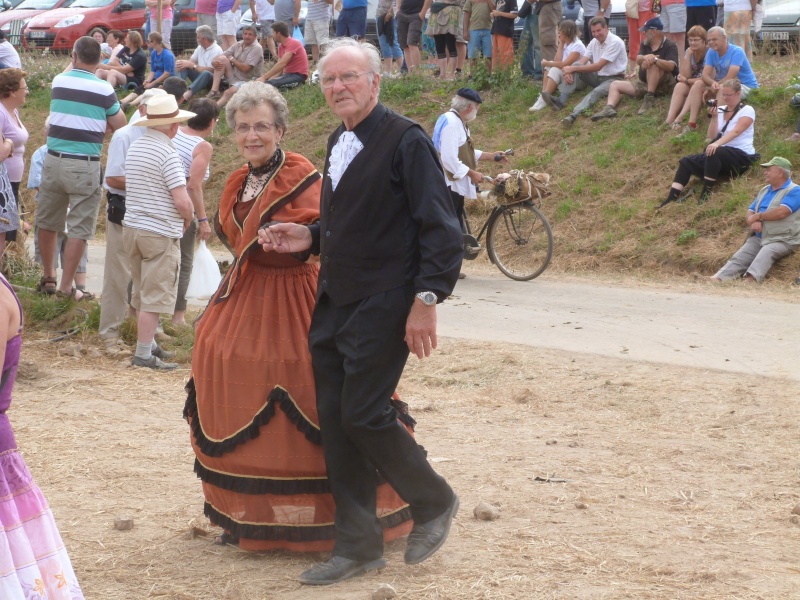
(390, 249)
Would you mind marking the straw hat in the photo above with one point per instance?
(163, 110)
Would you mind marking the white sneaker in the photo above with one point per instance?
(538, 105)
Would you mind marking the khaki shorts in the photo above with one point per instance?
(664, 87)
(316, 32)
(155, 266)
(74, 184)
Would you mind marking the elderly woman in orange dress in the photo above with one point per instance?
(252, 401)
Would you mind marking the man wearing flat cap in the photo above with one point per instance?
(157, 212)
(774, 221)
(390, 250)
(459, 157)
(658, 70)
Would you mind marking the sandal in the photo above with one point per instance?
(85, 296)
(47, 285)
(226, 539)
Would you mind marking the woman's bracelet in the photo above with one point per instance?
(203, 220)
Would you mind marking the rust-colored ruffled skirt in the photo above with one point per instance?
(253, 417)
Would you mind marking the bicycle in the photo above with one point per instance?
(519, 239)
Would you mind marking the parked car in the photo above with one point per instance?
(781, 24)
(12, 22)
(9, 4)
(59, 29)
(184, 24)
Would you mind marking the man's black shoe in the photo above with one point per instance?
(338, 569)
(427, 538)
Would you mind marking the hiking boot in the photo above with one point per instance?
(552, 101)
(538, 105)
(154, 363)
(569, 121)
(607, 113)
(648, 103)
(163, 354)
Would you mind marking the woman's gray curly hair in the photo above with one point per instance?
(255, 93)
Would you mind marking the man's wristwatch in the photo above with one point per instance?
(428, 298)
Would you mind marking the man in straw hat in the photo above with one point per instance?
(774, 223)
(157, 212)
(117, 270)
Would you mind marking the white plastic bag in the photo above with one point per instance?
(205, 274)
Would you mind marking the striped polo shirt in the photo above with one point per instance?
(79, 106)
(152, 170)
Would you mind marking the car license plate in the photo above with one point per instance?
(38, 34)
(775, 35)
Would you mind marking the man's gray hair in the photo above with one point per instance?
(369, 51)
(787, 173)
(719, 30)
(256, 93)
(87, 50)
(205, 32)
(460, 104)
(250, 27)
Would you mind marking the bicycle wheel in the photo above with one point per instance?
(520, 242)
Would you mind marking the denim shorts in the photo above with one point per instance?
(352, 22)
(480, 41)
(390, 51)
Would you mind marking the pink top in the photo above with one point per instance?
(14, 130)
(207, 7)
(166, 11)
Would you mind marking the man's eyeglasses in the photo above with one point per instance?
(345, 78)
(259, 128)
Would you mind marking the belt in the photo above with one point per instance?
(75, 156)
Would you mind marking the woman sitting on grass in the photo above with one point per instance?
(730, 152)
(570, 49)
(691, 73)
(162, 66)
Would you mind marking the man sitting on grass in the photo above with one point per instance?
(604, 62)
(774, 221)
(658, 68)
(292, 66)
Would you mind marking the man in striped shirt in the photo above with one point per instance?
(158, 210)
(82, 108)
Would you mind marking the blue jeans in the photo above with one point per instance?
(393, 50)
(480, 42)
(201, 80)
(532, 59)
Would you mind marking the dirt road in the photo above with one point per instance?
(625, 463)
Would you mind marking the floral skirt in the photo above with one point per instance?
(34, 564)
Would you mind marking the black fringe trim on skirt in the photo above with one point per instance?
(259, 485)
(218, 448)
(305, 533)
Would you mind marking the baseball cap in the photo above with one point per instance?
(778, 161)
(654, 23)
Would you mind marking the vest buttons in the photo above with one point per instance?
(328, 234)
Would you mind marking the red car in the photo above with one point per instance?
(59, 29)
(12, 22)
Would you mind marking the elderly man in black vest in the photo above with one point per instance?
(390, 248)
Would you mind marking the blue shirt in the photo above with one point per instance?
(353, 4)
(791, 200)
(35, 172)
(735, 56)
(697, 3)
(162, 63)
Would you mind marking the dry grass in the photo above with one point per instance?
(680, 482)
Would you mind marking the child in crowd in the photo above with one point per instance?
(503, 34)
